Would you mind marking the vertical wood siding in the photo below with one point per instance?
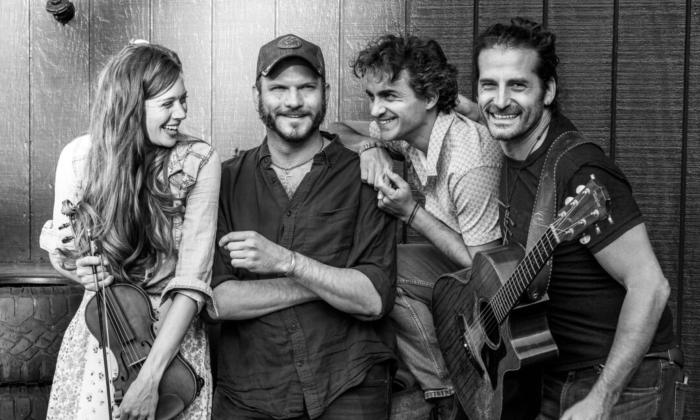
(629, 78)
(14, 133)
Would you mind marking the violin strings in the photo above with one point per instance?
(119, 324)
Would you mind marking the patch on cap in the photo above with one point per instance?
(289, 42)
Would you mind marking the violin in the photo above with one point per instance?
(130, 335)
(122, 316)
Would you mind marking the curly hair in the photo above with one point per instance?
(522, 33)
(126, 202)
(429, 72)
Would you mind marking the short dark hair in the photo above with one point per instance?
(522, 33)
(429, 72)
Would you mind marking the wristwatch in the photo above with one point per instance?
(368, 145)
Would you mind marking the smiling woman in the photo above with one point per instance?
(165, 112)
(135, 205)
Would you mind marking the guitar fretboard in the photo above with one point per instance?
(505, 299)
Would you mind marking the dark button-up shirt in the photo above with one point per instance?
(301, 358)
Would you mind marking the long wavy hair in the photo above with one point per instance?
(127, 203)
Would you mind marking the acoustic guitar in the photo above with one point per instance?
(481, 331)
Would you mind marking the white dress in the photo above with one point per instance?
(78, 390)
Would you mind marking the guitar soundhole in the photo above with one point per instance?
(489, 323)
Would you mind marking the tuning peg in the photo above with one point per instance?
(585, 239)
(597, 229)
(580, 188)
(610, 220)
(568, 200)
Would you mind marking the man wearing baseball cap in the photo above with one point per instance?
(305, 269)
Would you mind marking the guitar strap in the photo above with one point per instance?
(544, 208)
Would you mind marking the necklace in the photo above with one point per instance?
(290, 177)
(508, 222)
(289, 168)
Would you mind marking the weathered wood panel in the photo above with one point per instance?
(494, 11)
(240, 28)
(649, 118)
(585, 47)
(112, 25)
(317, 22)
(14, 132)
(58, 74)
(185, 27)
(690, 293)
(451, 23)
(361, 22)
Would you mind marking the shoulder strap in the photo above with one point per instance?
(545, 201)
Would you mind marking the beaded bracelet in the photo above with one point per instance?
(413, 214)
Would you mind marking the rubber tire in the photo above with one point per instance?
(33, 319)
(19, 402)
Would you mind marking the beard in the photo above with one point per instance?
(295, 136)
(513, 133)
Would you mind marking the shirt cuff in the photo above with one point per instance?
(49, 238)
(191, 287)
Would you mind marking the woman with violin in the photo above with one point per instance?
(134, 222)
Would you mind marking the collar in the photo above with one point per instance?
(329, 155)
(426, 165)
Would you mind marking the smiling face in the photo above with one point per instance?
(399, 113)
(165, 112)
(511, 97)
(292, 101)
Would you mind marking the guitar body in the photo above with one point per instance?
(478, 351)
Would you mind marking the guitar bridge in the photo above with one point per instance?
(464, 330)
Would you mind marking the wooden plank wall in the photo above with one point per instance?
(629, 77)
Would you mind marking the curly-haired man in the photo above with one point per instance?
(413, 94)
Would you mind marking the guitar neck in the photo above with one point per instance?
(505, 299)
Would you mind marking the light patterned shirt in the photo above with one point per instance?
(459, 177)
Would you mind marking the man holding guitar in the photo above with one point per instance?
(607, 309)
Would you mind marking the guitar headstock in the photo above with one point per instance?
(586, 209)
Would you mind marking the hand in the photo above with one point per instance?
(254, 252)
(141, 399)
(397, 201)
(373, 163)
(86, 276)
(468, 108)
(589, 408)
(60, 244)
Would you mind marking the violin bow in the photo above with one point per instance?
(70, 210)
(104, 332)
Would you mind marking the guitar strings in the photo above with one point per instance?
(489, 325)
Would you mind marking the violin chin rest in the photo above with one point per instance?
(169, 406)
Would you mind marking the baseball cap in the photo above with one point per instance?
(287, 46)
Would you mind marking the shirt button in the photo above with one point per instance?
(289, 213)
(293, 326)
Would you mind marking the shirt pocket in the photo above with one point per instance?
(328, 233)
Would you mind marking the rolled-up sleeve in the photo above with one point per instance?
(195, 255)
(374, 247)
